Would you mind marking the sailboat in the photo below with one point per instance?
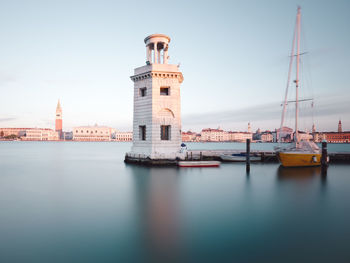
(299, 153)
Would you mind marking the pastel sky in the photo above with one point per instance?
(233, 55)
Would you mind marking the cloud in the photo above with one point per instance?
(7, 119)
(268, 111)
(326, 107)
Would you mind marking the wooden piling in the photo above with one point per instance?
(248, 156)
(324, 163)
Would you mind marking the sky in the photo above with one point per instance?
(234, 56)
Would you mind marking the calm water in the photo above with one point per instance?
(79, 202)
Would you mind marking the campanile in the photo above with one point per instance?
(58, 124)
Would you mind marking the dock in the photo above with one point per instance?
(266, 156)
(214, 155)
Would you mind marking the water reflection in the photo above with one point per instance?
(298, 173)
(301, 174)
(156, 204)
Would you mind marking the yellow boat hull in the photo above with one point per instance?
(290, 159)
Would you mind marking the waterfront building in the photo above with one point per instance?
(92, 133)
(58, 123)
(67, 136)
(156, 116)
(337, 137)
(286, 134)
(332, 137)
(305, 136)
(13, 131)
(122, 136)
(257, 135)
(40, 134)
(239, 136)
(219, 135)
(266, 136)
(213, 135)
(189, 136)
(319, 136)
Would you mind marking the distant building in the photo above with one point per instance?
(58, 123)
(67, 136)
(305, 136)
(319, 136)
(340, 129)
(266, 136)
(286, 134)
(218, 135)
(122, 136)
(38, 134)
(189, 136)
(198, 137)
(257, 135)
(249, 128)
(13, 131)
(337, 137)
(213, 135)
(92, 133)
(239, 136)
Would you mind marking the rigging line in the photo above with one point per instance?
(307, 70)
(288, 79)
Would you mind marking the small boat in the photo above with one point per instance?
(300, 152)
(239, 157)
(199, 164)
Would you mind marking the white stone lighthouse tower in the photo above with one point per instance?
(157, 120)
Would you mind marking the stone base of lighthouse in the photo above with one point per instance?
(140, 159)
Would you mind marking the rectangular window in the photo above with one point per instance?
(165, 91)
(143, 92)
(165, 132)
(142, 132)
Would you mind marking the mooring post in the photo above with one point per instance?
(200, 156)
(248, 156)
(324, 163)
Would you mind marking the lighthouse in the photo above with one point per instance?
(157, 109)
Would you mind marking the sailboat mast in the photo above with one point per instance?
(297, 77)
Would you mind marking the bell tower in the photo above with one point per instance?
(58, 124)
(157, 115)
(340, 129)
